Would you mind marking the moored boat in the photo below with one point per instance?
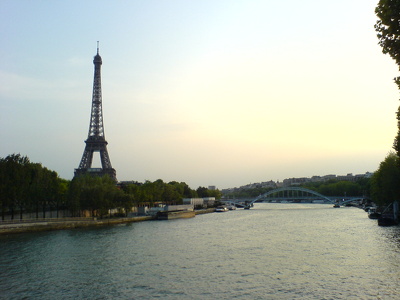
(221, 209)
(387, 220)
(373, 213)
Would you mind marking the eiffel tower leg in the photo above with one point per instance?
(87, 158)
(105, 159)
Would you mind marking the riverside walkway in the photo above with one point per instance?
(35, 225)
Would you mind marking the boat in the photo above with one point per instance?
(178, 214)
(336, 206)
(386, 220)
(373, 214)
(231, 207)
(221, 209)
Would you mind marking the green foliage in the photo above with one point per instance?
(123, 201)
(340, 188)
(28, 187)
(388, 32)
(96, 194)
(173, 192)
(385, 187)
(328, 188)
(248, 192)
(388, 27)
(396, 144)
(204, 192)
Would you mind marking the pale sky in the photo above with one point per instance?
(209, 92)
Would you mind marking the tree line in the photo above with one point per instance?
(333, 187)
(27, 187)
(386, 181)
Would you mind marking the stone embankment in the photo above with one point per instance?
(35, 225)
(204, 211)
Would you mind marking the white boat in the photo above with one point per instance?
(231, 207)
(221, 209)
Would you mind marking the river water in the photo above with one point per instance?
(272, 251)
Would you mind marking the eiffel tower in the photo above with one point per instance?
(96, 141)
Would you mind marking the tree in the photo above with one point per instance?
(203, 192)
(123, 201)
(388, 32)
(15, 179)
(74, 196)
(27, 186)
(95, 194)
(188, 192)
(62, 191)
(173, 193)
(384, 183)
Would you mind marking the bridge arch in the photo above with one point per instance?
(299, 189)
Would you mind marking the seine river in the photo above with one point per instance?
(272, 251)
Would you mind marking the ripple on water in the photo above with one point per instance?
(273, 251)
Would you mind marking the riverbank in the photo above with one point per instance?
(35, 225)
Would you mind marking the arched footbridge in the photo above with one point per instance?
(298, 194)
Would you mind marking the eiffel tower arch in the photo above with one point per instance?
(96, 141)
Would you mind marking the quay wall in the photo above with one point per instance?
(35, 225)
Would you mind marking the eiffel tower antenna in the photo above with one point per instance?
(96, 141)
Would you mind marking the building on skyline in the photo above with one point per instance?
(296, 181)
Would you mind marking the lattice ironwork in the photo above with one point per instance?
(96, 141)
(293, 189)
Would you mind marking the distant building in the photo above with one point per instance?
(366, 175)
(316, 179)
(209, 201)
(328, 177)
(295, 181)
(203, 202)
(348, 177)
(298, 181)
(193, 201)
(268, 184)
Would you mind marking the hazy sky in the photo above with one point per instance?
(209, 92)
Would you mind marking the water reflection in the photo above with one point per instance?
(273, 251)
